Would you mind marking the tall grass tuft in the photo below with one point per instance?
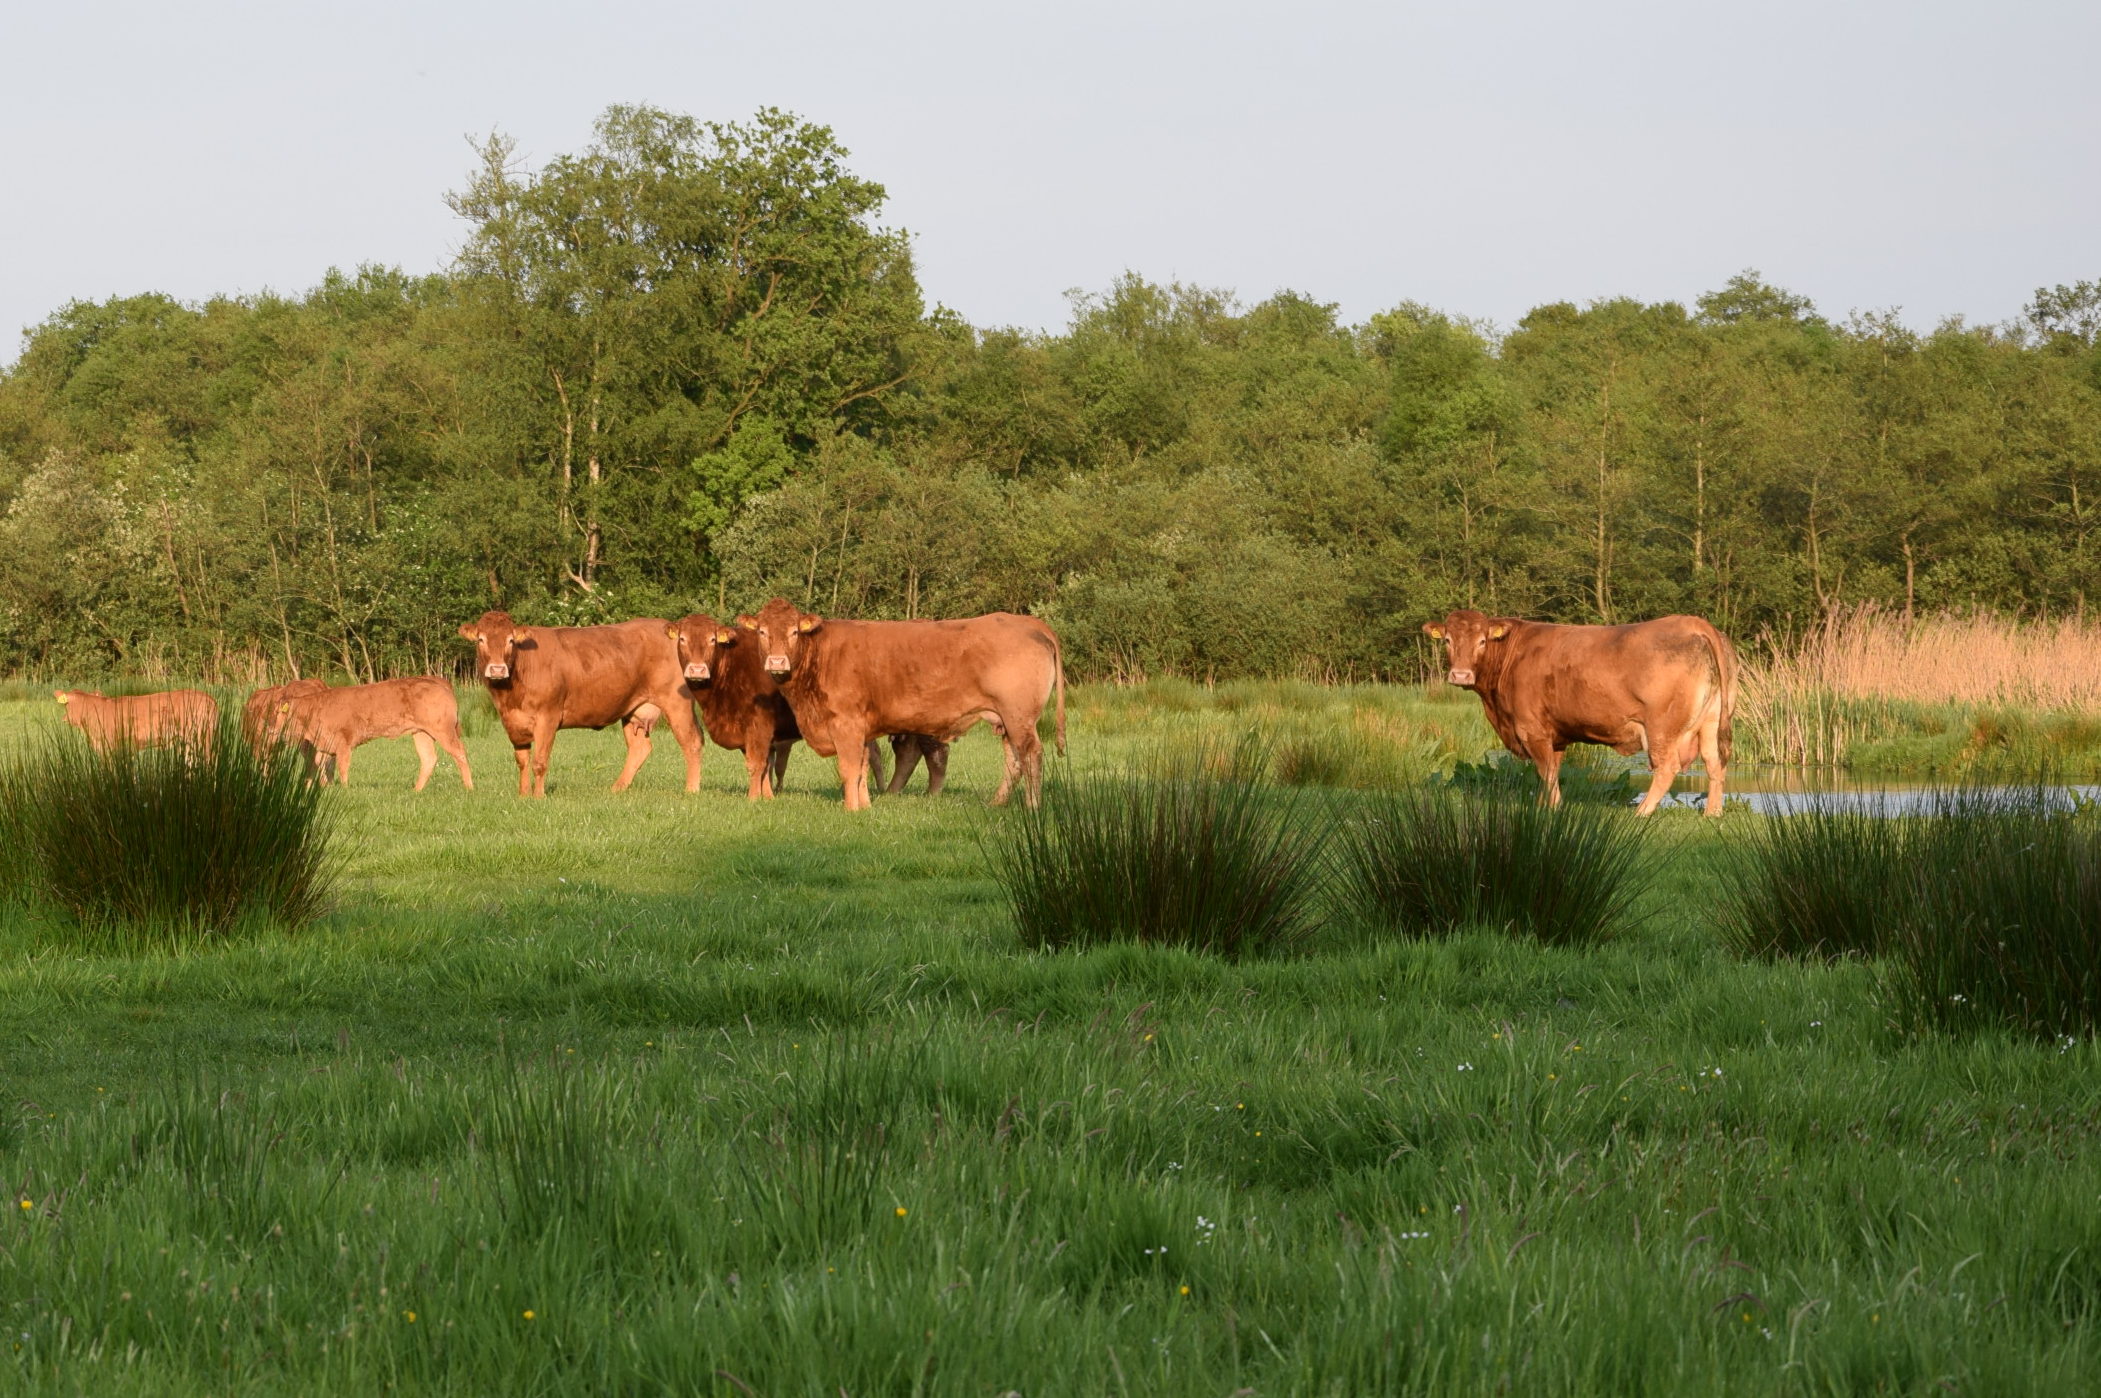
(1190, 851)
(1429, 862)
(142, 845)
(1987, 904)
(2001, 925)
(1825, 883)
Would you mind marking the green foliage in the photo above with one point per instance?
(138, 846)
(688, 364)
(1586, 778)
(1194, 851)
(1431, 863)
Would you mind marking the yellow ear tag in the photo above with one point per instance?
(1497, 633)
(724, 636)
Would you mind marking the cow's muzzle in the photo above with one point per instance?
(496, 672)
(696, 671)
(776, 664)
(1463, 679)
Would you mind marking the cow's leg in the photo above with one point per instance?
(936, 766)
(636, 731)
(426, 757)
(523, 752)
(692, 744)
(1711, 754)
(342, 760)
(853, 767)
(543, 748)
(1027, 751)
(758, 763)
(778, 772)
(904, 749)
(1546, 760)
(449, 739)
(873, 772)
(1664, 759)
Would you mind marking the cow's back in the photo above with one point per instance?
(590, 676)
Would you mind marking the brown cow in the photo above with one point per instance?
(261, 717)
(332, 721)
(546, 678)
(742, 708)
(849, 681)
(175, 716)
(740, 705)
(1667, 685)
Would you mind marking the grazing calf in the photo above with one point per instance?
(1668, 686)
(850, 681)
(173, 717)
(332, 721)
(546, 678)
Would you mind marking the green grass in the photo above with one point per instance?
(663, 1071)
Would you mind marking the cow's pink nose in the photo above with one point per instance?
(776, 664)
(498, 672)
(1463, 678)
(696, 671)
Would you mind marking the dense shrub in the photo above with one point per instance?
(1589, 775)
(1430, 861)
(144, 844)
(1192, 851)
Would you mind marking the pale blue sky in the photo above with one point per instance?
(1483, 158)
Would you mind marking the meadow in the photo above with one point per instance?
(657, 1093)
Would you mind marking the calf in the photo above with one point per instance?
(850, 681)
(331, 722)
(175, 717)
(546, 678)
(1667, 685)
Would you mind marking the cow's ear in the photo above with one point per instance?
(470, 631)
(284, 706)
(723, 635)
(61, 696)
(748, 621)
(1434, 631)
(671, 632)
(809, 624)
(1498, 631)
(518, 636)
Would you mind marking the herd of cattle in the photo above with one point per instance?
(764, 682)
(760, 683)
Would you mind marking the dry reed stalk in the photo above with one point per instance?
(1967, 658)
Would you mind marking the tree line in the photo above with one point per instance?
(688, 367)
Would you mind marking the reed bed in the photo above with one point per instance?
(1869, 675)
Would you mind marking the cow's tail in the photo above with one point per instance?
(1058, 662)
(1725, 674)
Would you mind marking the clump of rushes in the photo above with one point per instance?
(1191, 851)
(1824, 883)
(140, 846)
(1430, 861)
(2000, 922)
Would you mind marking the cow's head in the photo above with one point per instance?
(780, 628)
(496, 640)
(1467, 636)
(700, 640)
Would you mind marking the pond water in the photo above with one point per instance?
(1788, 790)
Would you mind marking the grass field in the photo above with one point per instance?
(654, 1093)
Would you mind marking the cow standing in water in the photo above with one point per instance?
(1667, 686)
(546, 678)
(850, 681)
